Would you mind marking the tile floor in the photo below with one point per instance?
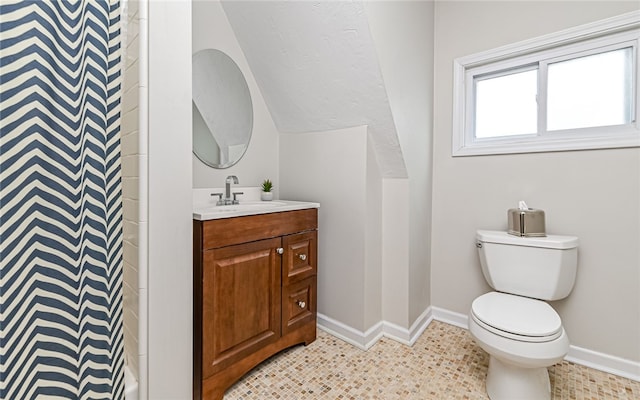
(444, 363)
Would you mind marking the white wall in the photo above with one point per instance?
(592, 194)
(330, 168)
(211, 30)
(403, 36)
(388, 281)
(170, 201)
(373, 273)
(395, 252)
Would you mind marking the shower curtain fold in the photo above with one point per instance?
(61, 252)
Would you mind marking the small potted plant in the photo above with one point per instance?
(267, 194)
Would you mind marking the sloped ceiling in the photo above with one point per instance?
(317, 69)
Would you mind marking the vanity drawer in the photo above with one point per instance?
(298, 304)
(299, 257)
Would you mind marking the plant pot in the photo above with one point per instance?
(266, 196)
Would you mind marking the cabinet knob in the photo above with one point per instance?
(279, 250)
(302, 256)
(302, 304)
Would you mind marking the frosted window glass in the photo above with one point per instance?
(590, 91)
(506, 105)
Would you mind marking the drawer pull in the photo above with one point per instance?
(302, 304)
(303, 257)
(279, 250)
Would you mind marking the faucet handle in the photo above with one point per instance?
(236, 201)
(219, 202)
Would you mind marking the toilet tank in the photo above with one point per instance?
(538, 267)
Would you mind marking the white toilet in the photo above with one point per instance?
(521, 332)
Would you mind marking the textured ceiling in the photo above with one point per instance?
(317, 69)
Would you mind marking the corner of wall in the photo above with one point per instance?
(373, 239)
(395, 251)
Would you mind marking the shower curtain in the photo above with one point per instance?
(60, 200)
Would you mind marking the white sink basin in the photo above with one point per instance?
(210, 211)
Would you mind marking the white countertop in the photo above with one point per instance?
(205, 208)
(207, 212)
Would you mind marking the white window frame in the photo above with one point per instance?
(613, 33)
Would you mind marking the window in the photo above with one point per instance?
(589, 91)
(506, 104)
(577, 89)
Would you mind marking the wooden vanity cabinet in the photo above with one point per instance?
(254, 293)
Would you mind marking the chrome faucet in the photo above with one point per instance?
(227, 188)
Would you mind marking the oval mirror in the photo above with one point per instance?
(222, 109)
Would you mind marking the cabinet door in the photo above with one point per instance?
(298, 304)
(241, 302)
(299, 261)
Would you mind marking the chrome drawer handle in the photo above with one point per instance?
(302, 304)
(302, 256)
(279, 250)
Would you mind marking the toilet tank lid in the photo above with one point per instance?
(549, 241)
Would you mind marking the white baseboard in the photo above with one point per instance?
(408, 336)
(604, 362)
(451, 317)
(364, 340)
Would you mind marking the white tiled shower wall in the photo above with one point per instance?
(134, 188)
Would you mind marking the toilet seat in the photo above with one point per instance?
(517, 317)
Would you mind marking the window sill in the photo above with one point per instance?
(538, 144)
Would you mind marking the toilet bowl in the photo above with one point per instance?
(521, 344)
(521, 332)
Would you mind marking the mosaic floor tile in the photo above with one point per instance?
(444, 363)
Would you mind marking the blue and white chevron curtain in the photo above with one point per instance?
(61, 332)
